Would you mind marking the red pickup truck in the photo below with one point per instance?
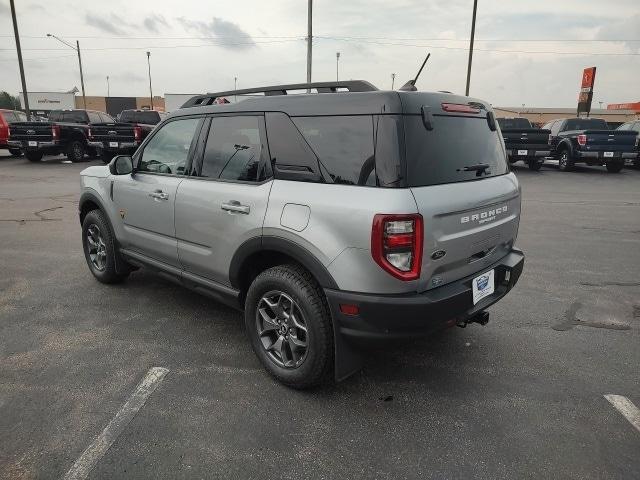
(7, 117)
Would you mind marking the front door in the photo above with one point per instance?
(146, 198)
(224, 204)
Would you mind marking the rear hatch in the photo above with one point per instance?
(609, 141)
(458, 173)
(528, 138)
(34, 131)
(112, 132)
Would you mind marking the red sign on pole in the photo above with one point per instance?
(586, 90)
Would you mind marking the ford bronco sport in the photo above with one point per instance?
(332, 219)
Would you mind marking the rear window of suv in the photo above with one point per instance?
(440, 155)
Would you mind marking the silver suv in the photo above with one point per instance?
(333, 219)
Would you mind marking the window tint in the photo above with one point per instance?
(168, 150)
(235, 148)
(506, 123)
(344, 146)
(9, 117)
(75, 117)
(585, 124)
(439, 156)
(106, 118)
(291, 154)
(55, 116)
(389, 141)
(149, 117)
(94, 117)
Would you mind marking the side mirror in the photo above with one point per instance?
(121, 165)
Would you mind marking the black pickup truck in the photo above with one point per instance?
(67, 131)
(525, 142)
(589, 140)
(125, 135)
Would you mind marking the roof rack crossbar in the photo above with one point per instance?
(321, 87)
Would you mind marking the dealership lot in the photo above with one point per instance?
(522, 397)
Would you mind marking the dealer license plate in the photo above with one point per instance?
(608, 154)
(483, 286)
(32, 143)
(523, 152)
(113, 144)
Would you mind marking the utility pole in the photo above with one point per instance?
(235, 87)
(22, 79)
(77, 49)
(108, 92)
(309, 39)
(473, 32)
(393, 80)
(150, 90)
(337, 60)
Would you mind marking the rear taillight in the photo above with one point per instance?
(582, 140)
(55, 132)
(459, 108)
(396, 244)
(137, 133)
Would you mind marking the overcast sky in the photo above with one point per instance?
(200, 46)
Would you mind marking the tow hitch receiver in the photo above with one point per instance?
(482, 318)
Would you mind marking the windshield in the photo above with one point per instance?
(452, 150)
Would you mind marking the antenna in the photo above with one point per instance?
(410, 86)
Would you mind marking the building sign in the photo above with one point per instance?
(44, 101)
(586, 90)
(624, 106)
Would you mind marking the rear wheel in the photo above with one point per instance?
(289, 326)
(565, 162)
(33, 156)
(16, 152)
(75, 151)
(534, 165)
(99, 248)
(614, 167)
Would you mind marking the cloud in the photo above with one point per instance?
(624, 28)
(227, 34)
(113, 25)
(154, 21)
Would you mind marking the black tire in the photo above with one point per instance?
(535, 165)
(75, 151)
(16, 152)
(106, 156)
(104, 272)
(565, 161)
(33, 156)
(614, 167)
(299, 286)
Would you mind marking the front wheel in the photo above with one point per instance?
(565, 163)
(289, 326)
(34, 156)
(99, 248)
(534, 165)
(614, 167)
(16, 152)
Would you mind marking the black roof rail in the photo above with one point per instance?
(321, 87)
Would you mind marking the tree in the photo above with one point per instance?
(8, 101)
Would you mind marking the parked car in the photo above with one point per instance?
(67, 131)
(635, 127)
(331, 219)
(588, 140)
(525, 142)
(125, 135)
(8, 117)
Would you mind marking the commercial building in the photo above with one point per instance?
(540, 116)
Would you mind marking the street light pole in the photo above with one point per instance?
(309, 39)
(473, 31)
(77, 49)
(337, 61)
(108, 92)
(150, 90)
(22, 79)
(393, 80)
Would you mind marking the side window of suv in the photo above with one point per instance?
(236, 149)
(344, 146)
(168, 150)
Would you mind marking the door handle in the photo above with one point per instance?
(159, 195)
(234, 206)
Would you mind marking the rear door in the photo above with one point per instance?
(470, 216)
(146, 198)
(223, 203)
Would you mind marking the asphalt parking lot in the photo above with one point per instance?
(522, 397)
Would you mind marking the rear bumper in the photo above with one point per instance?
(513, 154)
(599, 156)
(24, 145)
(402, 316)
(121, 147)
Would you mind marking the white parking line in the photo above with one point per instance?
(95, 451)
(626, 408)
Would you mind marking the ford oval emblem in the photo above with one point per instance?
(31, 132)
(112, 132)
(438, 254)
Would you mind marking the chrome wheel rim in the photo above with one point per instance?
(96, 248)
(282, 329)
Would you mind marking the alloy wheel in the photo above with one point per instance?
(282, 329)
(96, 247)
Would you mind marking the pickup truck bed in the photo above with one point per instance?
(112, 139)
(524, 142)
